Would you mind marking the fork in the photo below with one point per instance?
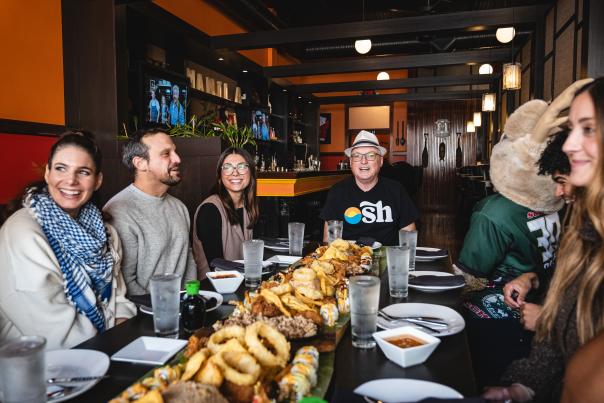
(55, 391)
(408, 321)
(430, 320)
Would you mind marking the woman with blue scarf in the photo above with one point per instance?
(59, 261)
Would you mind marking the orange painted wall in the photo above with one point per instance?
(31, 71)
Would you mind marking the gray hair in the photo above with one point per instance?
(135, 147)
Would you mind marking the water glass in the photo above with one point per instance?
(253, 252)
(364, 304)
(408, 238)
(295, 232)
(22, 370)
(334, 230)
(165, 299)
(398, 270)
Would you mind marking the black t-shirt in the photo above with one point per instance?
(209, 230)
(378, 213)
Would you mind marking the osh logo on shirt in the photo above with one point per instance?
(369, 213)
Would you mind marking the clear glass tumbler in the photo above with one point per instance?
(334, 230)
(295, 232)
(408, 238)
(253, 252)
(398, 270)
(165, 299)
(364, 304)
(22, 370)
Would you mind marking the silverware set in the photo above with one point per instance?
(56, 389)
(433, 324)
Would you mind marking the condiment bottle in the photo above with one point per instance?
(193, 308)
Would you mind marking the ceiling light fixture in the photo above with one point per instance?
(485, 69)
(512, 76)
(382, 75)
(505, 35)
(220, 59)
(470, 127)
(488, 102)
(477, 119)
(245, 71)
(363, 45)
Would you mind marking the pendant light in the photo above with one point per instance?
(489, 102)
(477, 119)
(505, 35)
(485, 69)
(512, 76)
(383, 75)
(470, 127)
(363, 45)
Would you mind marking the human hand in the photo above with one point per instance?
(550, 120)
(529, 313)
(521, 285)
(508, 394)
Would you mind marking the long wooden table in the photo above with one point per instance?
(450, 364)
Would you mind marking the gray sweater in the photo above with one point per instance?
(155, 237)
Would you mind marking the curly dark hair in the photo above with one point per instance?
(553, 159)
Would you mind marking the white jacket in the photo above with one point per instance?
(32, 296)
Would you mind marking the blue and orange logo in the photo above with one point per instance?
(353, 215)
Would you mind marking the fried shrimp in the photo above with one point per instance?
(277, 340)
(219, 338)
(238, 367)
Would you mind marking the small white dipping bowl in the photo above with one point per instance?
(406, 357)
(225, 285)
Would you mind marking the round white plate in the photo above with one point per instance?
(76, 362)
(428, 258)
(453, 319)
(265, 264)
(434, 288)
(277, 248)
(207, 294)
(405, 390)
(376, 244)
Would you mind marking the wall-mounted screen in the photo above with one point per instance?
(165, 100)
(260, 125)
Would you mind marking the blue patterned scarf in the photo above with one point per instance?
(81, 246)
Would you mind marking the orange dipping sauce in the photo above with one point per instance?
(405, 341)
(219, 276)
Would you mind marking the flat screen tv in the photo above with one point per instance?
(165, 99)
(260, 125)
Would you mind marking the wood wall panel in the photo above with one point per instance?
(549, 31)
(526, 53)
(565, 10)
(547, 79)
(579, 73)
(579, 11)
(564, 59)
(438, 186)
(525, 90)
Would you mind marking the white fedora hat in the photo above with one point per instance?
(365, 139)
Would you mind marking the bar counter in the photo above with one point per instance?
(292, 184)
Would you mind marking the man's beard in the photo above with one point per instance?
(171, 181)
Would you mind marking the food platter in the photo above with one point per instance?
(300, 311)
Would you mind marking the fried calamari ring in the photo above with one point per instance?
(281, 289)
(277, 340)
(304, 275)
(219, 338)
(238, 367)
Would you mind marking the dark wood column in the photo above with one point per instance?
(594, 13)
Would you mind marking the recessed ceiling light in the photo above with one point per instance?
(310, 102)
(284, 90)
(299, 97)
(245, 71)
(382, 75)
(220, 59)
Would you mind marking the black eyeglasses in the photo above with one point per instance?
(242, 168)
(370, 156)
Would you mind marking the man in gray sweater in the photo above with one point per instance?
(152, 224)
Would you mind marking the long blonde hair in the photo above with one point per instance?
(580, 262)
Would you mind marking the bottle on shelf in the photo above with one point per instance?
(193, 308)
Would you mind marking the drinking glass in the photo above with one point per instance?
(334, 230)
(253, 252)
(409, 238)
(398, 270)
(22, 370)
(165, 299)
(295, 232)
(364, 303)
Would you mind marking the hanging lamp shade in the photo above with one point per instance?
(512, 76)
(362, 45)
(505, 35)
(477, 119)
(382, 75)
(485, 69)
(489, 101)
(470, 127)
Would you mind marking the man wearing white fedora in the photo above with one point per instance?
(370, 206)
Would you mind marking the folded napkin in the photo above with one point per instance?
(436, 281)
(365, 240)
(224, 264)
(431, 253)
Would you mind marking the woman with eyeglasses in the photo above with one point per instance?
(225, 219)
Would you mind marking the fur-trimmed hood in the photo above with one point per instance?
(514, 162)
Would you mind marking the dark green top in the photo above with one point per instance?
(506, 239)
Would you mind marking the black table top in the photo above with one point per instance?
(450, 363)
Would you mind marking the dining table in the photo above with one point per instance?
(450, 364)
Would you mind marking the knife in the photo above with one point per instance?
(76, 379)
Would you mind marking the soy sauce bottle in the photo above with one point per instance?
(192, 309)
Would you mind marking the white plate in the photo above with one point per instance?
(149, 350)
(453, 319)
(265, 264)
(376, 244)
(284, 260)
(277, 248)
(207, 294)
(405, 390)
(76, 362)
(433, 288)
(428, 258)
